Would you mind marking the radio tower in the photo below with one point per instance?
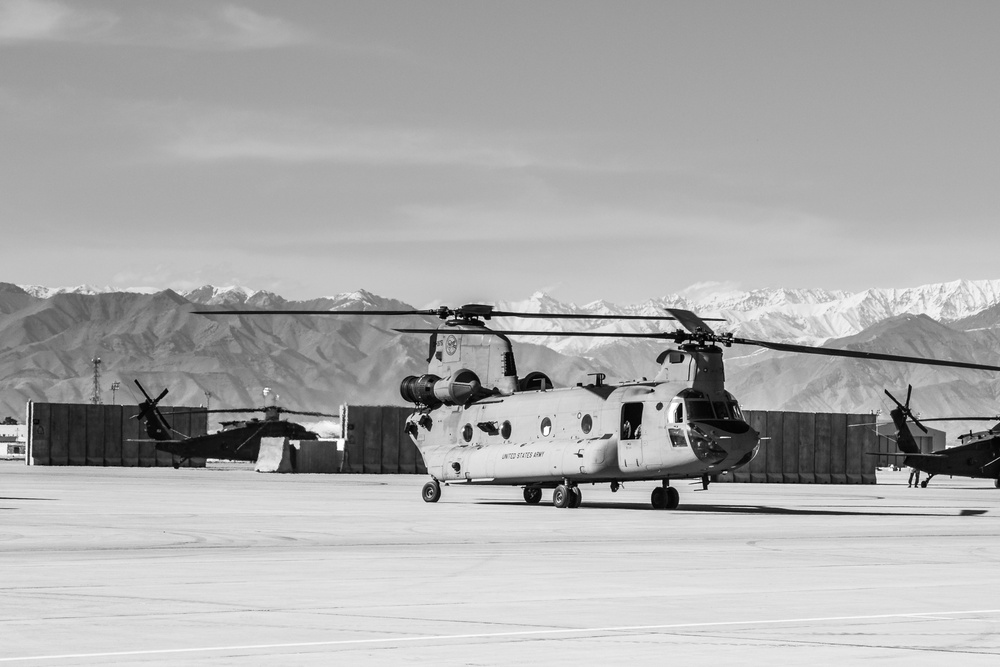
(95, 397)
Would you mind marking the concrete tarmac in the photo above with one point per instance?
(158, 566)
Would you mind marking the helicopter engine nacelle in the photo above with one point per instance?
(432, 391)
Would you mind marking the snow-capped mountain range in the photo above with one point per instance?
(804, 316)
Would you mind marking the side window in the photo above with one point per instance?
(675, 413)
(586, 423)
(546, 427)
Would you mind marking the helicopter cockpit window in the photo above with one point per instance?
(546, 427)
(631, 427)
(699, 409)
(722, 410)
(675, 413)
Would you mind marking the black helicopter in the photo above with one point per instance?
(978, 456)
(238, 441)
(477, 421)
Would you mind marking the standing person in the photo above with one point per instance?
(914, 477)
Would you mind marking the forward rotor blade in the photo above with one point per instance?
(994, 418)
(855, 354)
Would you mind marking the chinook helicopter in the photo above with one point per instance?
(476, 421)
(237, 441)
(978, 455)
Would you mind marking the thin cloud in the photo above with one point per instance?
(230, 136)
(45, 20)
(226, 28)
(234, 28)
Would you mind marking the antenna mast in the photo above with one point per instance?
(95, 396)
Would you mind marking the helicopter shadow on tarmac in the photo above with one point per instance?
(747, 509)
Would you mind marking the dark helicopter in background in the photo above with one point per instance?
(237, 441)
(476, 421)
(977, 456)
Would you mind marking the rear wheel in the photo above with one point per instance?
(532, 495)
(673, 498)
(431, 491)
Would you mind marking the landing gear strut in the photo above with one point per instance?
(665, 497)
(431, 492)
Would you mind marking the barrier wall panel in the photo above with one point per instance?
(373, 440)
(855, 436)
(94, 435)
(112, 435)
(76, 440)
(824, 444)
(790, 447)
(838, 449)
(807, 448)
(39, 432)
(59, 434)
(392, 435)
(199, 426)
(132, 433)
(757, 469)
(775, 447)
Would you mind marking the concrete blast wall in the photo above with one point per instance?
(77, 434)
(810, 448)
(374, 441)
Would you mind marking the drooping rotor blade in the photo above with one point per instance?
(994, 418)
(689, 320)
(855, 354)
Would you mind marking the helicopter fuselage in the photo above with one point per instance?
(584, 434)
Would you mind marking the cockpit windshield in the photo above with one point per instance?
(698, 407)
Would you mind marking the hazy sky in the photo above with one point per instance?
(467, 150)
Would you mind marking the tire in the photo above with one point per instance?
(561, 496)
(658, 498)
(575, 497)
(431, 492)
(673, 498)
(532, 495)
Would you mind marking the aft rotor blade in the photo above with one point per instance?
(487, 314)
(572, 334)
(432, 313)
(855, 354)
(994, 418)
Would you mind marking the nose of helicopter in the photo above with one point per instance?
(723, 442)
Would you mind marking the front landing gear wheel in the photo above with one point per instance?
(673, 498)
(561, 496)
(576, 497)
(431, 491)
(532, 495)
(659, 498)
